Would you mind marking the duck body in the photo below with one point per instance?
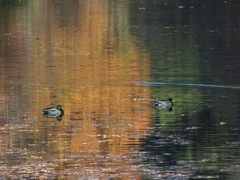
(164, 104)
(54, 112)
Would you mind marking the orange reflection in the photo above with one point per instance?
(82, 56)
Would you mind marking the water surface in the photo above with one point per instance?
(106, 63)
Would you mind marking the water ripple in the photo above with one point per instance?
(150, 83)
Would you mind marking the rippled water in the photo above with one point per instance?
(106, 63)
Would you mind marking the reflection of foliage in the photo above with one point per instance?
(12, 3)
(6, 8)
(209, 174)
(192, 141)
(162, 148)
(186, 45)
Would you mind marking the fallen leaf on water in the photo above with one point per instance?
(181, 7)
(222, 123)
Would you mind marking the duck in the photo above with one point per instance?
(54, 112)
(164, 104)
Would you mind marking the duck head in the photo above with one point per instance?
(59, 107)
(170, 99)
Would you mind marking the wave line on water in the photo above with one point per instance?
(150, 83)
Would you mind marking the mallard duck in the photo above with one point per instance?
(54, 112)
(164, 104)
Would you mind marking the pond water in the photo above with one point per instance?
(106, 63)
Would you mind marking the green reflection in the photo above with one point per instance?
(194, 62)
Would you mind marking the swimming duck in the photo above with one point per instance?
(54, 112)
(164, 104)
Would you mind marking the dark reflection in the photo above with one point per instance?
(54, 112)
(194, 55)
(192, 142)
(12, 3)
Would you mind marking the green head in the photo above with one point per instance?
(59, 118)
(59, 107)
(169, 99)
